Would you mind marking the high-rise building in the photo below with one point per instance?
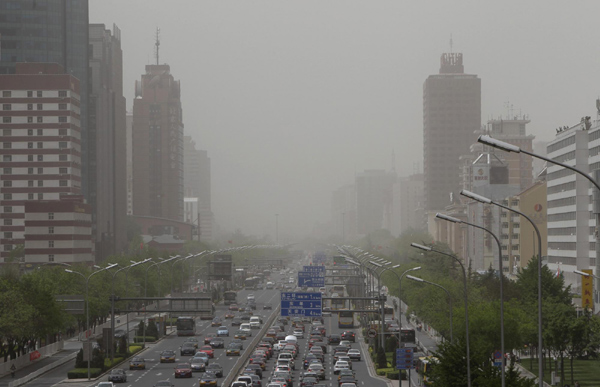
(50, 31)
(157, 145)
(197, 188)
(451, 116)
(129, 146)
(41, 151)
(374, 200)
(107, 177)
(343, 212)
(408, 204)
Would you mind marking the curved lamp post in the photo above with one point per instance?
(127, 293)
(410, 277)
(425, 248)
(87, 306)
(146, 293)
(485, 200)
(458, 221)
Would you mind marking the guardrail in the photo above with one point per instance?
(38, 373)
(241, 362)
(26, 359)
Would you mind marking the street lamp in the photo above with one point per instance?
(410, 277)
(426, 248)
(127, 293)
(458, 221)
(146, 292)
(484, 200)
(87, 307)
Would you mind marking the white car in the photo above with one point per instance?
(354, 354)
(245, 327)
(340, 365)
(280, 345)
(106, 384)
(255, 322)
(299, 333)
(285, 368)
(345, 343)
(250, 297)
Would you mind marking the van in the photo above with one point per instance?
(246, 328)
(285, 356)
(291, 339)
(255, 322)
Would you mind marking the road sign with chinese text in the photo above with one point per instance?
(301, 304)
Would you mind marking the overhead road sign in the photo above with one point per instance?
(315, 269)
(404, 358)
(310, 280)
(301, 304)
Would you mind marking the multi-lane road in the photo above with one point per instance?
(156, 371)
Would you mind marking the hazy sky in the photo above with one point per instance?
(291, 98)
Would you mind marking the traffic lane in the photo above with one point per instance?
(165, 371)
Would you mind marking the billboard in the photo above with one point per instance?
(587, 288)
(221, 267)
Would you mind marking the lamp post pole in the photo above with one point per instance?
(87, 307)
(487, 140)
(447, 293)
(501, 270)
(485, 200)
(425, 248)
(146, 293)
(127, 293)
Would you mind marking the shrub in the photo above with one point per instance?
(82, 373)
(108, 364)
(140, 339)
(381, 359)
(134, 348)
(394, 375)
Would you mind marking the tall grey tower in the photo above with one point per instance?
(451, 116)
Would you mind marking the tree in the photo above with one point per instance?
(553, 287)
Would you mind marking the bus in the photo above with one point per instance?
(230, 297)
(425, 365)
(345, 319)
(186, 326)
(251, 283)
(339, 289)
(407, 335)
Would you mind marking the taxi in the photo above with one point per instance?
(208, 379)
(137, 363)
(167, 356)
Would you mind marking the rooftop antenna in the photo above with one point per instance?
(157, 44)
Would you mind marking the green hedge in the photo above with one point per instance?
(82, 373)
(140, 339)
(108, 364)
(134, 349)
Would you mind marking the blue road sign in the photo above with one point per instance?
(404, 358)
(315, 269)
(301, 304)
(310, 280)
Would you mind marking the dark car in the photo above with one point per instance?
(309, 381)
(216, 322)
(256, 369)
(117, 375)
(198, 364)
(183, 370)
(267, 306)
(236, 321)
(349, 335)
(281, 335)
(320, 344)
(346, 379)
(283, 321)
(245, 316)
(215, 368)
(217, 342)
(334, 339)
(209, 336)
(167, 356)
(187, 349)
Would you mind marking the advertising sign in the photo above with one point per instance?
(587, 290)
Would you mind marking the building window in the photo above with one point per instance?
(8, 247)
(50, 244)
(6, 106)
(30, 132)
(6, 94)
(62, 183)
(40, 157)
(7, 196)
(6, 120)
(51, 216)
(7, 145)
(30, 196)
(29, 106)
(29, 93)
(7, 183)
(40, 196)
(29, 145)
(62, 132)
(29, 157)
(6, 158)
(50, 230)
(7, 171)
(62, 157)
(30, 183)
(7, 209)
(40, 171)
(62, 106)
(40, 106)
(40, 183)
(62, 171)
(8, 235)
(40, 119)
(62, 119)
(62, 93)
(40, 132)
(40, 144)
(8, 222)
(29, 120)
(50, 257)
(6, 132)
(30, 171)
(62, 144)
(39, 94)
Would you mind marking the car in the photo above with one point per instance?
(286, 375)
(246, 327)
(208, 379)
(285, 367)
(282, 362)
(281, 382)
(167, 356)
(204, 356)
(326, 312)
(341, 348)
(259, 360)
(239, 383)
(233, 349)
(240, 334)
(117, 375)
(234, 307)
(283, 321)
(207, 349)
(345, 372)
(105, 384)
(217, 342)
(120, 333)
(320, 344)
(192, 340)
(317, 369)
(251, 297)
(348, 385)
(280, 335)
(198, 364)
(346, 379)
(255, 380)
(187, 349)
(267, 307)
(256, 369)
(338, 354)
(309, 381)
(183, 370)
(255, 322)
(299, 333)
(223, 331)
(340, 365)
(349, 335)
(208, 337)
(354, 354)
(216, 322)
(245, 317)
(163, 383)
(137, 363)
(215, 368)
(238, 342)
(229, 315)
(345, 343)
(236, 322)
